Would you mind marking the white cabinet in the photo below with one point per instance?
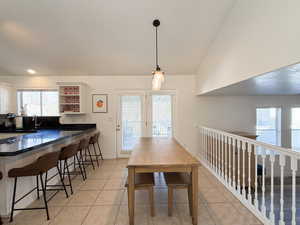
(72, 98)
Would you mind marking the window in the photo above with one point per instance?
(38, 102)
(295, 128)
(268, 125)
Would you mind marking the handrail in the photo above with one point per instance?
(287, 151)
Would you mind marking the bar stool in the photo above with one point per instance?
(67, 153)
(145, 181)
(93, 141)
(84, 149)
(178, 181)
(42, 165)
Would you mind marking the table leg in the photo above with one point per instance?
(195, 195)
(130, 190)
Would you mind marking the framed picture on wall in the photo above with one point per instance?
(100, 103)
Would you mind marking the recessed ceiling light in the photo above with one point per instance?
(31, 71)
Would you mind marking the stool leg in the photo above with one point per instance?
(37, 187)
(96, 155)
(82, 163)
(151, 200)
(69, 177)
(44, 196)
(100, 150)
(46, 177)
(74, 160)
(90, 155)
(13, 200)
(81, 171)
(170, 201)
(190, 197)
(62, 181)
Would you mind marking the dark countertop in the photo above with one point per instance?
(28, 142)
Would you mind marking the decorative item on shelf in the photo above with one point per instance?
(158, 75)
(99, 103)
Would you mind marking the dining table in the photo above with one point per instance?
(160, 154)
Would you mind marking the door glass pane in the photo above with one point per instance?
(50, 103)
(131, 121)
(295, 126)
(161, 115)
(32, 102)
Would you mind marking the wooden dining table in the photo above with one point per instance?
(161, 155)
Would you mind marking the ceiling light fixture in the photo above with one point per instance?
(31, 71)
(158, 75)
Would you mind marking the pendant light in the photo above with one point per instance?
(158, 75)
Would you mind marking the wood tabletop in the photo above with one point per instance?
(160, 152)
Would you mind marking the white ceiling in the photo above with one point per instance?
(284, 81)
(112, 37)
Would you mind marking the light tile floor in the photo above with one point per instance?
(102, 200)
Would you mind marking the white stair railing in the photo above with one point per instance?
(253, 171)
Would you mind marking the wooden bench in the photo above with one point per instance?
(178, 181)
(145, 181)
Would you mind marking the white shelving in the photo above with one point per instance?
(72, 98)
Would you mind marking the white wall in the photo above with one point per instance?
(185, 115)
(237, 113)
(258, 36)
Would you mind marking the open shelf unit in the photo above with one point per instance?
(71, 98)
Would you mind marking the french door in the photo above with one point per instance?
(143, 114)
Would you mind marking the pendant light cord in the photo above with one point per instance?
(156, 47)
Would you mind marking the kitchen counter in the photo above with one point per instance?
(26, 142)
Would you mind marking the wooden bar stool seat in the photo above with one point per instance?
(145, 181)
(178, 181)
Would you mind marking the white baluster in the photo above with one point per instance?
(282, 165)
(222, 155)
(263, 206)
(249, 172)
(204, 145)
(255, 191)
(229, 161)
(272, 160)
(243, 165)
(217, 154)
(212, 150)
(294, 168)
(239, 162)
(209, 147)
(233, 143)
(226, 153)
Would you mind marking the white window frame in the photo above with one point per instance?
(37, 90)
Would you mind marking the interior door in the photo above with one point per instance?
(131, 122)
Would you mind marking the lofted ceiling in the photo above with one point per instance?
(97, 37)
(284, 81)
